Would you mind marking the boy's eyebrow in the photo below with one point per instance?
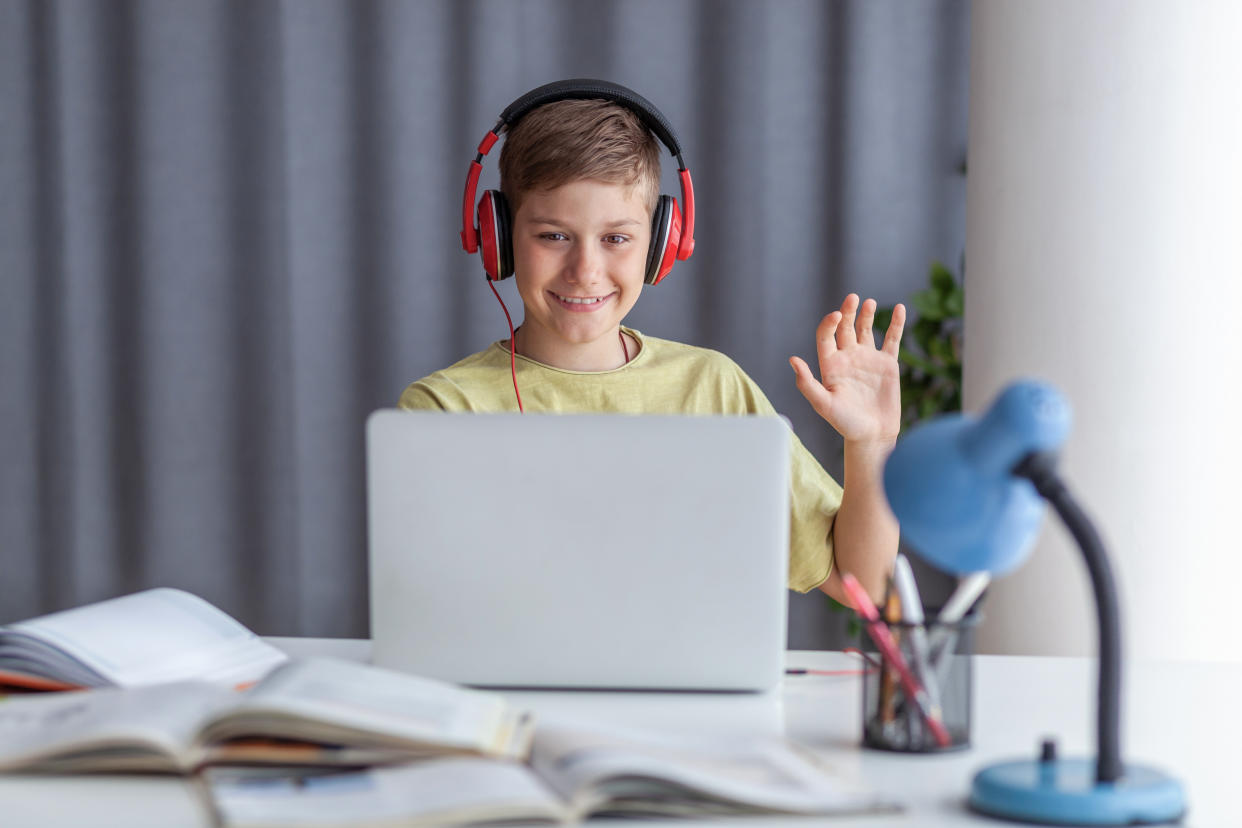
(557, 222)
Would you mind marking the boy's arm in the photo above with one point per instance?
(859, 394)
(865, 533)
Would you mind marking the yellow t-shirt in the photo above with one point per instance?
(663, 378)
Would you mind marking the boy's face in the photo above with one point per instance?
(579, 254)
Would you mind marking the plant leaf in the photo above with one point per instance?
(927, 303)
(930, 357)
(941, 278)
(940, 349)
(921, 364)
(925, 330)
(955, 302)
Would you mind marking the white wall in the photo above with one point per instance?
(1104, 254)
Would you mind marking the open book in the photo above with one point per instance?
(159, 635)
(316, 712)
(572, 775)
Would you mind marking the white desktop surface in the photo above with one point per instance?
(1180, 717)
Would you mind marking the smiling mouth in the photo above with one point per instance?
(581, 302)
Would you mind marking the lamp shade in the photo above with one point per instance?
(950, 482)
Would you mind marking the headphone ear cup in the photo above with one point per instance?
(495, 235)
(661, 224)
(666, 228)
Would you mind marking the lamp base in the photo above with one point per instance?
(1065, 792)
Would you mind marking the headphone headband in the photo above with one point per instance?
(588, 89)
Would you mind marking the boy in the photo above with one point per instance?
(581, 178)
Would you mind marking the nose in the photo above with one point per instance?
(584, 264)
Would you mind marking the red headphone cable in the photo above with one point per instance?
(512, 345)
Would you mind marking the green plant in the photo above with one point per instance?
(931, 349)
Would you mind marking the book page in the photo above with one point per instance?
(159, 635)
(345, 701)
(610, 771)
(439, 792)
(107, 728)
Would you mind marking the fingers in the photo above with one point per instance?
(866, 319)
(892, 338)
(803, 376)
(846, 336)
(853, 325)
(826, 334)
(814, 391)
(826, 340)
(857, 325)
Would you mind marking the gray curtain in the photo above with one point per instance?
(229, 230)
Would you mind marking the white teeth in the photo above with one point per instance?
(575, 301)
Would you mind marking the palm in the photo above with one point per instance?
(859, 389)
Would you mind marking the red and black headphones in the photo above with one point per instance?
(492, 236)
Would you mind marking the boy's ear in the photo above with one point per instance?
(495, 235)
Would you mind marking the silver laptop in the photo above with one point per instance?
(579, 551)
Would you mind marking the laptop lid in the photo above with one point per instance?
(590, 551)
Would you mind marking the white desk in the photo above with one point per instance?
(1178, 716)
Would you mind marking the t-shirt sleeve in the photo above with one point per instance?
(476, 383)
(418, 397)
(814, 498)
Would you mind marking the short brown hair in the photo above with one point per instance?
(575, 140)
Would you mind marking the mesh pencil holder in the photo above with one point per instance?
(893, 722)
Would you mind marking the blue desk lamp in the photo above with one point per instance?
(969, 493)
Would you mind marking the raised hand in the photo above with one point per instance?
(859, 388)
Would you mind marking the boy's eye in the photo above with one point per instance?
(616, 238)
(553, 236)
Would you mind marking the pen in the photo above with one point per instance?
(963, 598)
(912, 612)
(884, 641)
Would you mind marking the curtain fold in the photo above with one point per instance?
(229, 231)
